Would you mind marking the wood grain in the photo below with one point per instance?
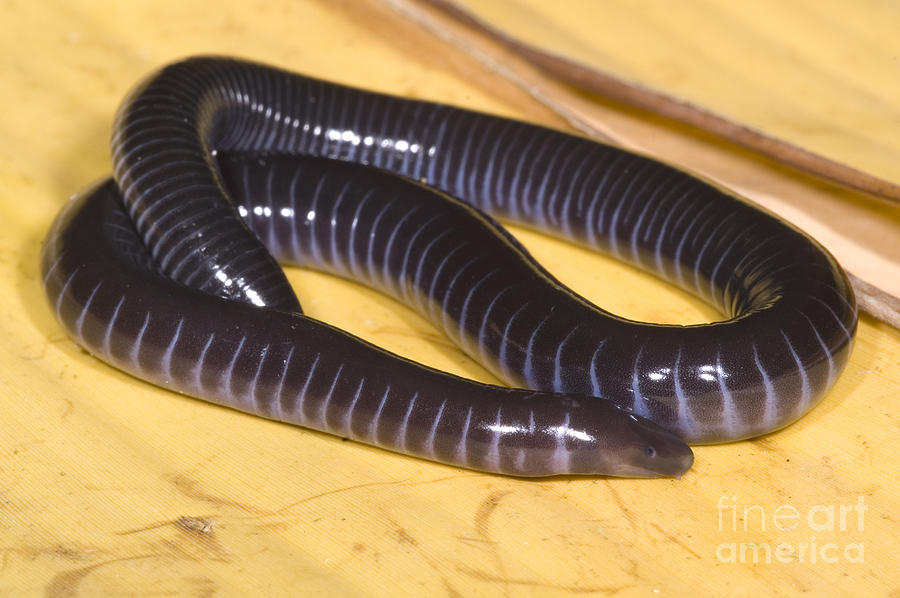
(109, 486)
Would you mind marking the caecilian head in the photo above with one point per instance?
(595, 437)
(643, 449)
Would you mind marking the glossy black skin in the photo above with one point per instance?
(792, 315)
(281, 365)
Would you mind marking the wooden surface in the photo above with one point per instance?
(109, 486)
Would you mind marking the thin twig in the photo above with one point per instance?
(876, 302)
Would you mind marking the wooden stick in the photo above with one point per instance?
(875, 302)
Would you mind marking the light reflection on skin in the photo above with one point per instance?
(660, 374)
(574, 434)
(252, 295)
(712, 373)
(708, 373)
(224, 278)
(350, 136)
(558, 431)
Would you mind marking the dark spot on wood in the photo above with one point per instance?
(404, 538)
(196, 525)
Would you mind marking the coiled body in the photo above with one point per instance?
(791, 313)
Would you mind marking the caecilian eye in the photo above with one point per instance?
(650, 451)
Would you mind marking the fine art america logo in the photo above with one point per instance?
(820, 533)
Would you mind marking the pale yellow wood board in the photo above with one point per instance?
(109, 486)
